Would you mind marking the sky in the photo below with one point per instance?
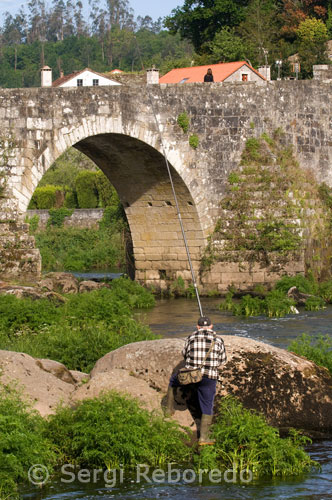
(152, 8)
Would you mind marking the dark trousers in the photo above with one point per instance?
(206, 391)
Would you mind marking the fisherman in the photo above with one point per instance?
(209, 76)
(197, 353)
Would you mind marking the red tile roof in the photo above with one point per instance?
(65, 78)
(196, 73)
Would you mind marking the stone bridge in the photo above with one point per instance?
(115, 127)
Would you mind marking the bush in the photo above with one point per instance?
(317, 349)
(113, 430)
(57, 216)
(45, 197)
(78, 332)
(23, 442)
(106, 193)
(86, 190)
(71, 199)
(246, 442)
(75, 249)
(304, 285)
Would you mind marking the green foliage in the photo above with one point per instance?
(106, 192)
(200, 21)
(274, 305)
(325, 291)
(75, 249)
(234, 178)
(85, 185)
(112, 431)
(194, 141)
(314, 304)
(312, 34)
(312, 30)
(183, 122)
(57, 216)
(33, 223)
(244, 441)
(316, 348)
(22, 443)
(178, 289)
(65, 169)
(304, 284)
(45, 197)
(70, 199)
(227, 46)
(78, 332)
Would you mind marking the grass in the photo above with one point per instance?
(78, 332)
(318, 349)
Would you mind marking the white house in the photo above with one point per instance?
(84, 78)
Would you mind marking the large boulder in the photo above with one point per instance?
(42, 388)
(288, 389)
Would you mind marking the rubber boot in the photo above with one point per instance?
(204, 438)
(168, 408)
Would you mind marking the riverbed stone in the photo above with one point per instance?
(288, 389)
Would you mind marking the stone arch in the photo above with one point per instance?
(130, 157)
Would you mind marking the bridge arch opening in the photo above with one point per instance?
(138, 173)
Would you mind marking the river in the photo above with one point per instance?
(177, 317)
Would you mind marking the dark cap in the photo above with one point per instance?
(204, 321)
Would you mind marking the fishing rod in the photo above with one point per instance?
(173, 188)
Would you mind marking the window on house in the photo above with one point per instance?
(79, 82)
(184, 80)
(244, 77)
(95, 82)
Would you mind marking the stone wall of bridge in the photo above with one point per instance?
(115, 127)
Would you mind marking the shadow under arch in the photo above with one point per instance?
(138, 173)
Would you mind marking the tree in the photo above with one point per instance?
(312, 34)
(200, 20)
(260, 31)
(227, 46)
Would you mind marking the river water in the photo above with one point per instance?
(176, 318)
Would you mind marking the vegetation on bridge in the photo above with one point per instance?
(273, 211)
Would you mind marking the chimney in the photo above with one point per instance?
(46, 76)
(152, 76)
(265, 71)
(61, 73)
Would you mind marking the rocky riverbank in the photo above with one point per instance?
(288, 389)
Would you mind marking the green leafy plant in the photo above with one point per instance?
(194, 141)
(244, 441)
(45, 197)
(23, 442)
(316, 348)
(114, 430)
(183, 121)
(78, 332)
(33, 223)
(86, 190)
(58, 215)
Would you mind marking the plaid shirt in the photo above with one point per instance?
(196, 347)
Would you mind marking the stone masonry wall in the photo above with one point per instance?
(81, 217)
(115, 127)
